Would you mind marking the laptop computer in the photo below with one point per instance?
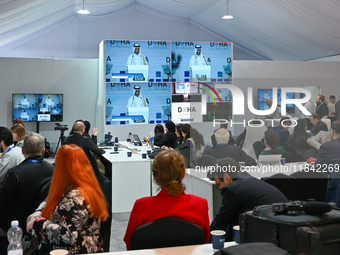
(136, 139)
(153, 146)
(270, 159)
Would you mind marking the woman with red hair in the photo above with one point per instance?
(168, 171)
(75, 206)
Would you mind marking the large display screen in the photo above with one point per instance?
(138, 103)
(264, 94)
(201, 61)
(37, 107)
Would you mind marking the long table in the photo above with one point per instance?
(202, 249)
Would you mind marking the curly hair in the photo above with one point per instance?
(168, 170)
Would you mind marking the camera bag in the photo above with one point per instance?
(298, 234)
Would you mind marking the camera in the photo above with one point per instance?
(290, 208)
(60, 127)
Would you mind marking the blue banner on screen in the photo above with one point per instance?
(138, 103)
(264, 94)
(201, 61)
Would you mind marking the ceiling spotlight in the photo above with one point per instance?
(227, 16)
(83, 10)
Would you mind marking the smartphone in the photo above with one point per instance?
(114, 152)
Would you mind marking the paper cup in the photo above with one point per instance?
(283, 161)
(59, 252)
(217, 239)
(236, 232)
(129, 153)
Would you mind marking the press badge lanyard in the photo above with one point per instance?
(319, 106)
(34, 161)
(10, 148)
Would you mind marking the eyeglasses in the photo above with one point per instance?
(217, 185)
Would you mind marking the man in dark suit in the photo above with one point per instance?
(337, 110)
(318, 125)
(282, 130)
(240, 192)
(223, 149)
(23, 185)
(321, 106)
(329, 156)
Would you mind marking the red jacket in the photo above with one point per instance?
(187, 207)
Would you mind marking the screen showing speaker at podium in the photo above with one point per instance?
(167, 61)
(138, 103)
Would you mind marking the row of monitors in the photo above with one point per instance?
(37, 107)
(168, 61)
(136, 103)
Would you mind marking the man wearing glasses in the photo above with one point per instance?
(240, 192)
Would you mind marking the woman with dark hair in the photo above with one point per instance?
(271, 139)
(179, 135)
(70, 219)
(298, 140)
(193, 139)
(169, 139)
(19, 133)
(159, 132)
(168, 170)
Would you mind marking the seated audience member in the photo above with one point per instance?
(193, 139)
(95, 132)
(223, 149)
(159, 132)
(310, 106)
(321, 107)
(231, 139)
(70, 219)
(169, 170)
(298, 140)
(20, 188)
(282, 130)
(240, 192)
(331, 108)
(322, 137)
(271, 140)
(19, 121)
(329, 156)
(318, 125)
(169, 139)
(179, 135)
(18, 133)
(12, 155)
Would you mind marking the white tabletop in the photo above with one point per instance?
(202, 249)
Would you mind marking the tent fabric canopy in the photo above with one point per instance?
(269, 29)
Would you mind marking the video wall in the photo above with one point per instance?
(142, 76)
(37, 107)
(264, 94)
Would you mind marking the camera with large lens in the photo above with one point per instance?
(289, 208)
(60, 127)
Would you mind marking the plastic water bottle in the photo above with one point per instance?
(14, 236)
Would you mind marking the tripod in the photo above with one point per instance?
(61, 139)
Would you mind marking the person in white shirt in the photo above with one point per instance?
(331, 108)
(137, 100)
(198, 59)
(12, 155)
(136, 58)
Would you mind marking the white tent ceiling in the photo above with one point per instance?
(269, 29)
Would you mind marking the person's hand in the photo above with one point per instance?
(33, 216)
(29, 226)
(95, 131)
(0, 155)
(164, 147)
(325, 117)
(145, 138)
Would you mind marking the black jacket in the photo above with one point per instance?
(169, 140)
(322, 110)
(20, 189)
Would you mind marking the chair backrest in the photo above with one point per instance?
(166, 232)
(206, 161)
(285, 183)
(327, 122)
(254, 133)
(287, 147)
(105, 230)
(311, 185)
(311, 153)
(258, 148)
(289, 157)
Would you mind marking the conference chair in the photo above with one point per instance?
(311, 185)
(43, 193)
(290, 157)
(254, 133)
(285, 183)
(258, 148)
(287, 147)
(311, 153)
(166, 232)
(206, 161)
(105, 230)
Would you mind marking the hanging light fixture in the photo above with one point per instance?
(227, 16)
(83, 10)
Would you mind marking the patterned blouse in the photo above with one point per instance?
(72, 227)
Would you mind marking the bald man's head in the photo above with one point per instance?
(269, 102)
(222, 136)
(79, 127)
